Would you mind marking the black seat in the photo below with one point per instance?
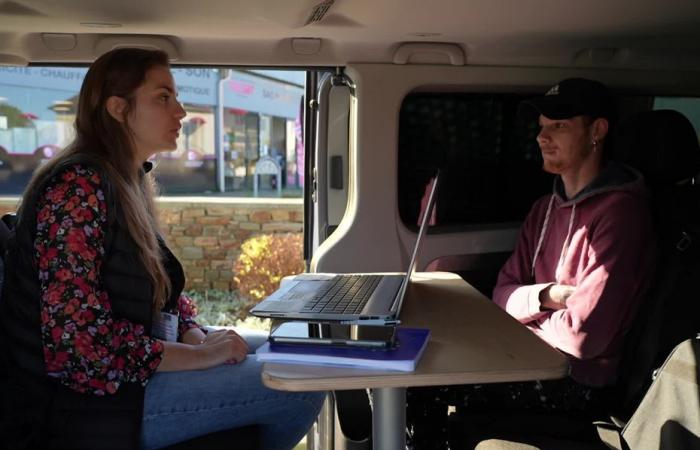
(663, 145)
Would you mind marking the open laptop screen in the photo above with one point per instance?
(398, 302)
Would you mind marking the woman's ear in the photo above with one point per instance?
(116, 107)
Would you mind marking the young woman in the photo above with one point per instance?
(100, 348)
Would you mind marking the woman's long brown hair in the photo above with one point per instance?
(101, 138)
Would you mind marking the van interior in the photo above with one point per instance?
(396, 89)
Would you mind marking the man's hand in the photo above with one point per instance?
(555, 296)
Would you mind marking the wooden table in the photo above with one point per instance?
(472, 341)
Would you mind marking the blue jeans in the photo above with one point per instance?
(182, 405)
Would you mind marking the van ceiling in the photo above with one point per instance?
(650, 34)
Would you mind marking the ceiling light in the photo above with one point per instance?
(101, 24)
(425, 34)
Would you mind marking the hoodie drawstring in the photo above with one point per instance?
(565, 247)
(541, 239)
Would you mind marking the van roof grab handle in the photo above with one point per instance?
(430, 53)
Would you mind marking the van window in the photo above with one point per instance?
(261, 111)
(489, 156)
(491, 162)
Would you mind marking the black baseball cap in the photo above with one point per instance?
(572, 97)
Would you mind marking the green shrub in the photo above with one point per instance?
(218, 308)
(224, 308)
(264, 260)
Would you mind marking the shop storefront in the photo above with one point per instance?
(257, 112)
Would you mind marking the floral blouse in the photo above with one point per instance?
(85, 346)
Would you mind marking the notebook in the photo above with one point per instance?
(410, 345)
(349, 298)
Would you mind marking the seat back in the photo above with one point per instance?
(663, 146)
(669, 414)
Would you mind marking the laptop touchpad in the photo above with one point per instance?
(302, 291)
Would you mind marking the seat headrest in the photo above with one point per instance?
(661, 144)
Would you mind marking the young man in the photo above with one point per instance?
(578, 272)
(582, 261)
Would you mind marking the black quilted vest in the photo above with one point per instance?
(38, 412)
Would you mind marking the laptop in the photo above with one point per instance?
(364, 298)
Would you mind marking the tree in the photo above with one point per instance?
(14, 116)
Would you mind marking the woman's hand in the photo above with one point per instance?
(555, 296)
(218, 347)
(224, 346)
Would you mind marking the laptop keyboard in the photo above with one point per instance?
(346, 294)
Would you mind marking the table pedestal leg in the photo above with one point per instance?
(389, 418)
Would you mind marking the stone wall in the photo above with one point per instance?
(206, 232)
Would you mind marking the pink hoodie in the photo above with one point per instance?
(599, 242)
